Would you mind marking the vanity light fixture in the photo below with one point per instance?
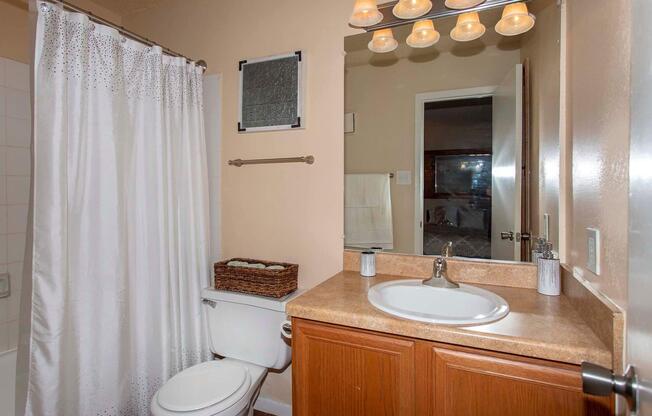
(383, 41)
(365, 13)
(515, 20)
(411, 9)
(423, 34)
(462, 4)
(468, 27)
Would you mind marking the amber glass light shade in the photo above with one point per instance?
(383, 41)
(411, 9)
(462, 4)
(468, 27)
(365, 13)
(423, 34)
(515, 21)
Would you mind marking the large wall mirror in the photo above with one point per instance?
(456, 142)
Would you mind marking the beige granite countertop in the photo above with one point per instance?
(537, 326)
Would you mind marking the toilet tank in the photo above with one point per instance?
(247, 327)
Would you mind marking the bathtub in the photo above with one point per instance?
(7, 382)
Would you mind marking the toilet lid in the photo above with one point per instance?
(202, 385)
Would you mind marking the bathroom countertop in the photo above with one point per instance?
(537, 326)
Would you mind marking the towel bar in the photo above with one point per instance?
(391, 175)
(303, 159)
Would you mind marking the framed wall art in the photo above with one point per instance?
(271, 93)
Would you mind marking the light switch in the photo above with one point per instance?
(4, 285)
(593, 250)
(403, 177)
(349, 123)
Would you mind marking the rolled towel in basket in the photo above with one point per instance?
(275, 267)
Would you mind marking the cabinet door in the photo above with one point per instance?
(341, 371)
(466, 382)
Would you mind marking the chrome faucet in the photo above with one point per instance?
(439, 270)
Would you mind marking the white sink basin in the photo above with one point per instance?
(411, 299)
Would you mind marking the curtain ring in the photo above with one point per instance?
(124, 39)
(92, 26)
(45, 7)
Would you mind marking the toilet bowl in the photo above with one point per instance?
(246, 330)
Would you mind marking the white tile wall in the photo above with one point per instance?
(2, 73)
(17, 103)
(2, 101)
(17, 132)
(15, 170)
(16, 75)
(3, 134)
(213, 125)
(4, 219)
(3, 191)
(17, 189)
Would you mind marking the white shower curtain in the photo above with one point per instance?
(120, 250)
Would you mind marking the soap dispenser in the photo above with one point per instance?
(537, 249)
(549, 282)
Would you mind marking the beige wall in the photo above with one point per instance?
(598, 127)
(541, 47)
(16, 28)
(286, 212)
(383, 98)
(283, 212)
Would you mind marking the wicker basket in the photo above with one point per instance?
(261, 282)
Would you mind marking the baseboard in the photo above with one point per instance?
(273, 407)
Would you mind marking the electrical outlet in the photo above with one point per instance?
(593, 250)
(4, 285)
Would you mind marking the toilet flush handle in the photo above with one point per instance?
(286, 329)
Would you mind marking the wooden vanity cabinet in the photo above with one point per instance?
(456, 381)
(344, 371)
(338, 371)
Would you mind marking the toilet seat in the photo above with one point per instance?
(205, 389)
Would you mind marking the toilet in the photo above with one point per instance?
(246, 331)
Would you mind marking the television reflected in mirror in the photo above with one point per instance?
(455, 142)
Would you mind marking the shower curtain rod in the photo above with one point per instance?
(123, 31)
